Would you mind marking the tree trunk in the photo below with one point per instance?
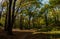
(9, 27)
(5, 27)
(0, 14)
(29, 20)
(13, 16)
(46, 19)
(21, 22)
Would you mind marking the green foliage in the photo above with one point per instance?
(2, 21)
(54, 2)
(46, 29)
(39, 15)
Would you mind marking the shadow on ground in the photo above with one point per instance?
(27, 35)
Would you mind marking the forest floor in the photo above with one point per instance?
(27, 34)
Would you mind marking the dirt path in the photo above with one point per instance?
(21, 34)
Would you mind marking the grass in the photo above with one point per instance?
(49, 32)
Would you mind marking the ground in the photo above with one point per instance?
(24, 34)
(19, 34)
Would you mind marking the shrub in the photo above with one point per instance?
(45, 29)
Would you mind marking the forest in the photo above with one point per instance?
(39, 16)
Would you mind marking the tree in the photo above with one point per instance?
(9, 25)
(1, 9)
(56, 6)
(6, 18)
(10, 17)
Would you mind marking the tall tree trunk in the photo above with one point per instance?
(5, 27)
(55, 17)
(21, 22)
(29, 20)
(46, 19)
(0, 14)
(10, 19)
(33, 20)
(9, 27)
(13, 16)
(1, 9)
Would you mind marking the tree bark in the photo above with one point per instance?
(46, 19)
(9, 27)
(29, 20)
(13, 16)
(5, 27)
(21, 22)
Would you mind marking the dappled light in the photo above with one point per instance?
(29, 19)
